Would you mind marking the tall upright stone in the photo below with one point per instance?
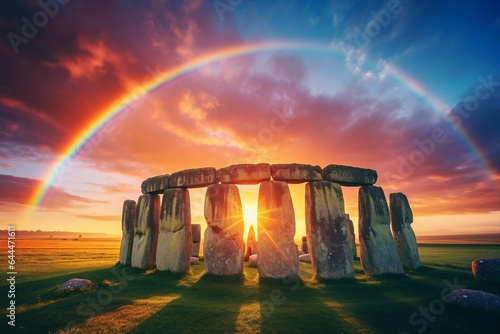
(327, 231)
(378, 252)
(352, 236)
(223, 247)
(251, 243)
(146, 232)
(128, 218)
(304, 247)
(278, 254)
(404, 237)
(196, 235)
(175, 243)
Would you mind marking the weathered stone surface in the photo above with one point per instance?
(487, 270)
(244, 173)
(278, 256)
(327, 231)
(155, 185)
(175, 243)
(404, 237)
(251, 243)
(296, 173)
(474, 300)
(75, 284)
(128, 219)
(252, 261)
(196, 235)
(378, 252)
(193, 178)
(349, 176)
(223, 247)
(304, 246)
(146, 232)
(195, 260)
(352, 236)
(305, 258)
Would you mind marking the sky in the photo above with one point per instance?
(96, 96)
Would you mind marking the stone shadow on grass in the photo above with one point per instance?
(117, 286)
(288, 305)
(211, 302)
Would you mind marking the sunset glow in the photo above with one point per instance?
(88, 114)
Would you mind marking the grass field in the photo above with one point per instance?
(129, 300)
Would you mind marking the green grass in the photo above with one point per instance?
(152, 301)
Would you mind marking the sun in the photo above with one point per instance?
(250, 214)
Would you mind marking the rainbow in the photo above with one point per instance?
(98, 122)
(444, 111)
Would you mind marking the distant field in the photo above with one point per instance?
(160, 302)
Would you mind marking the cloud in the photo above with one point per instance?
(18, 190)
(248, 109)
(109, 218)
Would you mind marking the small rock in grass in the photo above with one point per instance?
(475, 300)
(74, 284)
(252, 261)
(305, 258)
(487, 270)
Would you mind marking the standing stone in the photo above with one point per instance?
(327, 231)
(223, 247)
(128, 218)
(175, 243)
(349, 176)
(296, 173)
(352, 236)
(244, 173)
(251, 243)
(196, 235)
(192, 178)
(378, 252)
(304, 247)
(278, 255)
(404, 237)
(146, 232)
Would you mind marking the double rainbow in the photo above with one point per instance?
(107, 115)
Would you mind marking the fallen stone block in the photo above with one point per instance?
(474, 300)
(305, 258)
(487, 270)
(75, 284)
(252, 261)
